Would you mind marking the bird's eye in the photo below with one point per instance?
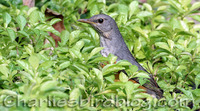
(100, 20)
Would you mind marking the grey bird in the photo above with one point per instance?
(113, 43)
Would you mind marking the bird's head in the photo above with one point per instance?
(102, 23)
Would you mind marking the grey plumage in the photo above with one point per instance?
(113, 42)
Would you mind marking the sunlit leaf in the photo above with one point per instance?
(48, 28)
(162, 45)
(49, 85)
(133, 6)
(195, 6)
(74, 95)
(7, 19)
(34, 61)
(123, 77)
(197, 81)
(4, 70)
(11, 34)
(111, 68)
(64, 65)
(54, 20)
(73, 36)
(147, 6)
(95, 51)
(64, 37)
(176, 5)
(29, 49)
(142, 75)
(25, 66)
(21, 21)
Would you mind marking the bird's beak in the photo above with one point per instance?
(86, 21)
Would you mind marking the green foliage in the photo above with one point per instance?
(158, 33)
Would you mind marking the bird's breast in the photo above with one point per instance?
(104, 42)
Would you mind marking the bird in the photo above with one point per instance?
(113, 43)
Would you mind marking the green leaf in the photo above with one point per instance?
(31, 10)
(137, 45)
(167, 31)
(142, 80)
(196, 92)
(21, 21)
(28, 76)
(64, 37)
(116, 85)
(34, 16)
(133, 7)
(74, 95)
(140, 31)
(11, 34)
(49, 85)
(95, 51)
(8, 92)
(111, 68)
(123, 9)
(188, 93)
(23, 33)
(123, 63)
(112, 6)
(112, 58)
(140, 55)
(180, 68)
(75, 53)
(73, 36)
(196, 17)
(197, 80)
(142, 75)
(64, 65)
(130, 87)
(79, 45)
(122, 18)
(6, 19)
(185, 33)
(144, 95)
(47, 64)
(94, 10)
(162, 54)
(99, 78)
(34, 61)
(184, 25)
(162, 45)
(48, 28)
(175, 23)
(44, 7)
(29, 49)
(4, 70)
(25, 66)
(171, 44)
(54, 20)
(147, 6)
(133, 68)
(123, 77)
(99, 59)
(51, 40)
(144, 14)
(75, 50)
(1, 57)
(176, 5)
(195, 6)
(185, 3)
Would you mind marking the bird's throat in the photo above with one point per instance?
(106, 43)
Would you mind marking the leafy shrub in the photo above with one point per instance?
(159, 33)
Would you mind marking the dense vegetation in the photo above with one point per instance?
(163, 35)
